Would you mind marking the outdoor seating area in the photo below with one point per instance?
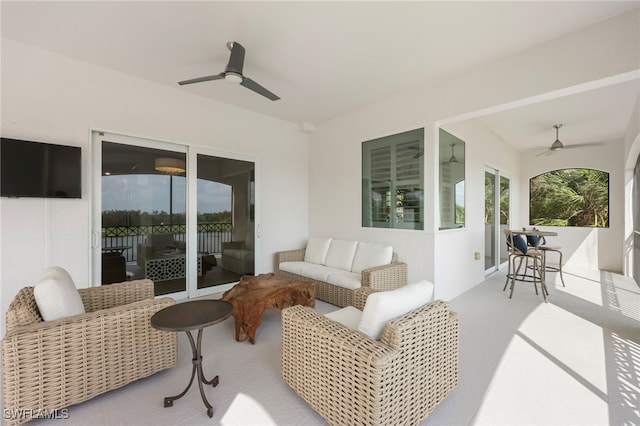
(310, 213)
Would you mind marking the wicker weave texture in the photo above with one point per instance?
(54, 364)
(350, 379)
(384, 277)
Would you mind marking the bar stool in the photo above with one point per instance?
(545, 249)
(518, 250)
(541, 245)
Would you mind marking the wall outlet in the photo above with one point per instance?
(476, 255)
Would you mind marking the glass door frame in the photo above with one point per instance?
(191, 152)
(192, 215)
(497, 231)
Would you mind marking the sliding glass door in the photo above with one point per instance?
(496, 219)
(184, 220)
(225, 219)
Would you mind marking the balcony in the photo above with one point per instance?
(130, 243)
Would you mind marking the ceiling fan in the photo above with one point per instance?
(233, 73)
(453, 158)
(559, 146)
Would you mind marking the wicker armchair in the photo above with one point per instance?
(349, 378)
(50, 365)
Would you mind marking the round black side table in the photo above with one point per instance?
(187, 316)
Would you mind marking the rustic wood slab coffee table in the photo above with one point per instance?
(252, 295)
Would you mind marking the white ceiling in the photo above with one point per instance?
(327, 58)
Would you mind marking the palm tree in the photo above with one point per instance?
(570, 197)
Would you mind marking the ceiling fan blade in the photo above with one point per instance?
(545, 152)
(583, 145)
(236, 60)
(252, 85)
(201, 79)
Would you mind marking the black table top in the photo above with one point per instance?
(191, 315)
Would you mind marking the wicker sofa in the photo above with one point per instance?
(50, 365)
(237, 257)
(349, 378)
(337, 267)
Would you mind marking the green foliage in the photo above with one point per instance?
(489, 197)
(570, 197)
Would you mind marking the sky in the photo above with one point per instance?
(151, 193)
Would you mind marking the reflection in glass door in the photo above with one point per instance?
(184, 220)
(225, 219)
(489, 221)
(143, 216)
(496, 219)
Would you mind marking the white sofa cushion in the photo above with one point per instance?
(309, 270)
(340, 254)
(343, 279)
(316, 251)
(369, 255)
(383, 306)
(56, 295)
(347, 316)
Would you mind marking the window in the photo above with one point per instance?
(570, 197)
(392, 181)
(452, 159)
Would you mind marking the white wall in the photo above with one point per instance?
(447, 257)
(51, 98)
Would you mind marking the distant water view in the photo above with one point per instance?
(149, 193)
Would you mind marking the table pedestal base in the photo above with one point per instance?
(196, 371)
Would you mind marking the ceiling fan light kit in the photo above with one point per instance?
(233, 77)
(233, 73)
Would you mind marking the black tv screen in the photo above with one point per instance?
(36, 169)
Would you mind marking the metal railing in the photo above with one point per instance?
(126, 238)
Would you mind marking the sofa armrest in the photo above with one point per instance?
(360, 296)
(83, 355)
(385, 277)
(288, 256)
(109, 296)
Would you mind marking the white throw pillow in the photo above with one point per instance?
(369, 255)
(340, 254)
(56, 295)
(317, 249)
(383, 306)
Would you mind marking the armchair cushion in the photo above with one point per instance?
(317, 249)
(383, 306)
(56, 295)
(348, 316)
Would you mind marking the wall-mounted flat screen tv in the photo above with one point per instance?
(36, 169)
